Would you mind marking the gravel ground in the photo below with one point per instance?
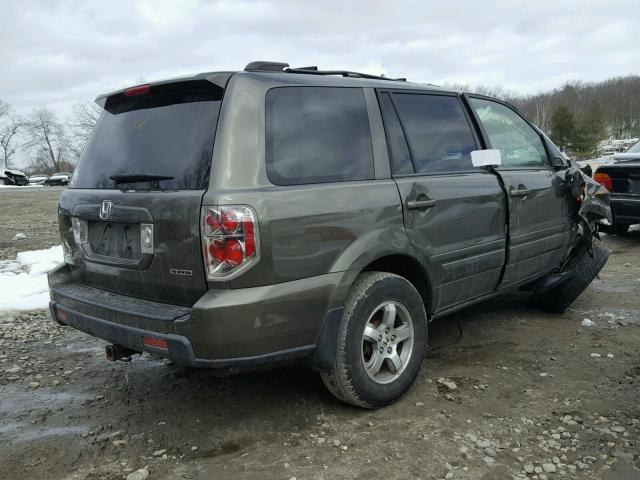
(506, 391)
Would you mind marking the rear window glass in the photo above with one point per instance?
(438, 132)
(167, 133)
(316, 135)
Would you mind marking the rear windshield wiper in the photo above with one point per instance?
(139, 177)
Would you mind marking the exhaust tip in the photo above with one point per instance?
(118, 352)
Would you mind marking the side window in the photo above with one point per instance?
(398, 148)
(437, 130)
(519, 144)
(317, 135)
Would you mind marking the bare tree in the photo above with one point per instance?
(81, 124)
(4, 108)
(48, 140)
(10, 125)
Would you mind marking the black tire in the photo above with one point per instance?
(585, 268)
(347, 379)
(616, 228)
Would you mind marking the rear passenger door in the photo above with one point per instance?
(539, 227)
(454, 213)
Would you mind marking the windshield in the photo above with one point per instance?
(168, 132)
(635, 148)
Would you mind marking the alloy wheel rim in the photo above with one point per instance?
(387, 342)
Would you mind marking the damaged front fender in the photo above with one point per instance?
(591, 207)
(593, 198)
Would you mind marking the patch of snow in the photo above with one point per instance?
(587, 322)
(23, 281)
(19, 236)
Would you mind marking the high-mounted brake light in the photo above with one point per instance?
(137, 90)
(230, 240)
(604, 180)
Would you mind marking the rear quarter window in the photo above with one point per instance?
(317, 135)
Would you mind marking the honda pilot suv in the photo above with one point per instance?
(236, 219)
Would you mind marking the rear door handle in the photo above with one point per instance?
(521, 192)
(420, 204)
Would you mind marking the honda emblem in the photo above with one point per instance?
(105, 209)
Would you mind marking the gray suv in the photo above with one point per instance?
(235, 219)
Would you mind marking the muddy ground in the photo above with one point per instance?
(532, 398)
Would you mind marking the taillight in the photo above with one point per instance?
(230, 240)
(604, 180)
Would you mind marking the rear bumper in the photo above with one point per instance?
(625, 209)
(179, 348)
(225, 328)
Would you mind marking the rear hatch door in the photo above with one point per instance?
(130, 220)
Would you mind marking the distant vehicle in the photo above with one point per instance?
(631, 153)
(13, 177)
(38, 179)
(61, 178)
(621, 179)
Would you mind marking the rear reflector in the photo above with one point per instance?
(155, 342)
(61, 315)
(137, 90)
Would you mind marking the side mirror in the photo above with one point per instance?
(559, 162)
(485, 158)
(587, 170)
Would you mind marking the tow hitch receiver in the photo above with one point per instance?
(118, 352)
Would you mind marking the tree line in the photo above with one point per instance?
(577, 116)
(53, 145)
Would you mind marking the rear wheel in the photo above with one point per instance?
(381, 341)
(585, 268)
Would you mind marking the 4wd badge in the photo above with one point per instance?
(180, 271)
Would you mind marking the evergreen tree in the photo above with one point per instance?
(563, 127)
(591, 130)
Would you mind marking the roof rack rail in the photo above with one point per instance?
(343, 73)
(262, 66)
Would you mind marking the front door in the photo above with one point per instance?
(454, 214)
(539, 227)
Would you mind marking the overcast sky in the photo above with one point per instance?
(56, 53)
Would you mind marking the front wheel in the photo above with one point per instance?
(381, 341)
